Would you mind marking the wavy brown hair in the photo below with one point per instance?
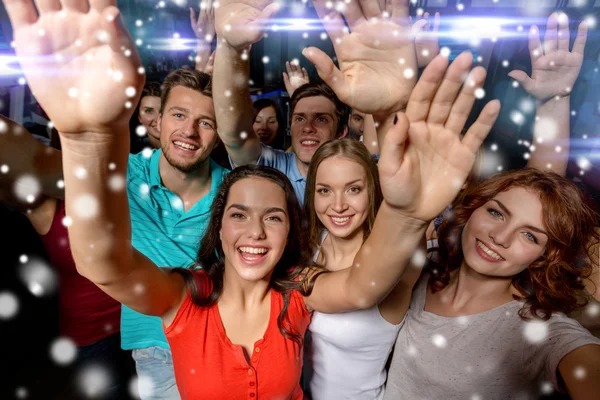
(289, 272)
(354, 151)
(554, 282)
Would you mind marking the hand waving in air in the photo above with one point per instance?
(204, 26)
(295, 77)
(427, 44)
(377, 58)
(79, 60)
(243, 23)
(554, 67)
(424, 161)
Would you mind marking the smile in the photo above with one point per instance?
(341, 221)
(252, 255)
(309, 142)
(488, 251)
(185, 146)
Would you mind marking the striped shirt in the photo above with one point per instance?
(163, 232)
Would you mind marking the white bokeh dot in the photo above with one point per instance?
(439, 341)
(63, 351)
(25, 186)
(9, 305)
(116, 182)
(85, 206)
(535, 331)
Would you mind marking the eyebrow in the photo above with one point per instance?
(347, 184)
(317, 114)
(533, 228)
(185, 110)
(267, 210)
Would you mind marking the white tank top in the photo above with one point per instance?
(345, 354)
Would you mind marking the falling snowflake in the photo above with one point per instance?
(9, 305)
(535, 331)
(63, 351)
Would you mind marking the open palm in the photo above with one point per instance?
(376, 58)
(79, 62)
(242, 23)
(554, 68)
(424, 162)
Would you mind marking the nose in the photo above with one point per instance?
(501, 236)
(308, 127)
(190, 128)
(339, 205)
(256, 229)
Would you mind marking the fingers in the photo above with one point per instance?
(76, 5)
(20, 12)
(579, 44)
(193, 19)
(332, 20)
(286, 80)
(436, 22)
(551, 35)
(461, 109)
(524, 80)
(424, 91)
(370, 8)
(305, 74)
(100, 5)
(265, 15)
(400, 10)
(563, 32)
(118, 36)
(535, 45)
(394, 141)
(446, 94)
(45, 6)
(418, 26)
(482, 126)
(327, 70)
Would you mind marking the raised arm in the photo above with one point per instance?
(204, 29)
(423, 165)
(239, 24)
(91, 73)
(25, 156)
(295, 77)
(554, 72)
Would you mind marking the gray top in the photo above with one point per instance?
(491, 355)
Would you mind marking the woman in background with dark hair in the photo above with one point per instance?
(269, 124)
(143, 126)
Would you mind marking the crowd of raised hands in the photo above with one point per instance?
(83, 68)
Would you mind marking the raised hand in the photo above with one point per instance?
(377, 59)
(295, 77)
(424, 161)
(79, 61)
(427, 44)
(242, 23)
(554, 67)
(204, 26)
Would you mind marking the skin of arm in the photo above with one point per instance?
(586, 385)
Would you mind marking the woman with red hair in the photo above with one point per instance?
(488, 320)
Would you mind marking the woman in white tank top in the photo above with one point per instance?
(346, 353)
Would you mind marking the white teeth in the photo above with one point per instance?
(253, 250)
(340, 220)
(489, 252)
(309, 142)
(185, 146)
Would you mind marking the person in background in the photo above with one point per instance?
(268, 124)
(144, 123)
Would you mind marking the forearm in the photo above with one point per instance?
(233, 105)
(382, 259)
(95, 168)
(551, 136)
(370, 135)
(25, 156)
(202, 54)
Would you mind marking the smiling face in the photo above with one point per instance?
(188, 129)
(266, 125)
(148, 116)
(505, 235)
(254, 229)
(313, 123)
(341, 199)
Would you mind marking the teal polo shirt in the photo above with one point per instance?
(164, 233)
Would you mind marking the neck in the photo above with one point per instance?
(244, 294)
(339, 249)
(189, 186)
(302, 167)
(468, 287)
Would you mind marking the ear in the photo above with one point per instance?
(344, 133)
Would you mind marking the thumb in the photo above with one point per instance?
(327, 70)
(119, 39)
(394, 142)
(523, 79)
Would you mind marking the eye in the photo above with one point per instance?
(206, 124)
(531, 237)
(495, 213)
(354, 189)
(322, 120)
(178, 115)
(274, 218)
(237, 215)
(323, 191)
(298, 119)
(358, 119)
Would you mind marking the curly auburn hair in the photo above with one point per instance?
(554, 282)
